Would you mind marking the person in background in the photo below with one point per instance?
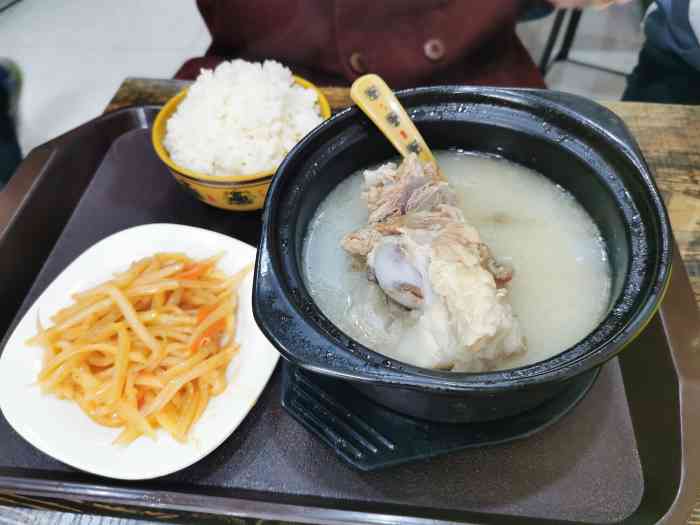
(668, 70)
(10, 155)
(408, 42)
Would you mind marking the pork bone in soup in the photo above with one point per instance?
(537, 283)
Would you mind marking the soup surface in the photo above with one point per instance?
(561, 284)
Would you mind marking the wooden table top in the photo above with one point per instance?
(668, 135)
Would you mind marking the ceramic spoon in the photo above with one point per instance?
(378, 102)
(398, 276)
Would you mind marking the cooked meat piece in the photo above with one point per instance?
(422, 253)
(391, 191)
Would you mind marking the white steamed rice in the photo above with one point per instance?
(239, 119)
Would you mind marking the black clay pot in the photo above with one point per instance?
(574, 142)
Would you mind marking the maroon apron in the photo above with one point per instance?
(408, 42)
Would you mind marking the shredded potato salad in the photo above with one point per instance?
(147, 349)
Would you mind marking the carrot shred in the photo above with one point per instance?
(210, 333)
(204, 311)
(194, 271)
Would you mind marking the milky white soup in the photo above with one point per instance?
(561, 284)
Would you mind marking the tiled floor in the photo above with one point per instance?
(74, 54)
(610, 38)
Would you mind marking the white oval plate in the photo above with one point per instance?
(60, 429)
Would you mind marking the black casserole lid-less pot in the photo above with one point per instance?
(568, 139)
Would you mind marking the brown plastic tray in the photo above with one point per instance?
(623, 455)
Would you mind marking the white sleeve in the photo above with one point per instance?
(694, 17)
(652, 7)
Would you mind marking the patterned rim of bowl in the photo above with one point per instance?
(158, 133)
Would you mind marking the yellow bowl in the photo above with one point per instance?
(239, 192)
